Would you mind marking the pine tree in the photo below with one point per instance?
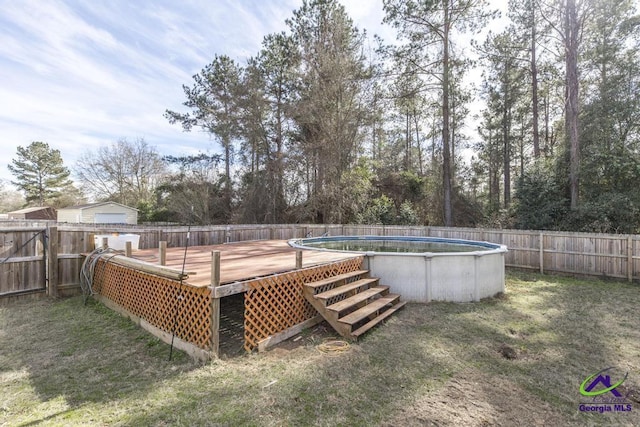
(40, 173)
(213, 101)
(330, 111)
(429, 29)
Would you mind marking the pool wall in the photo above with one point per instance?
(430, 276)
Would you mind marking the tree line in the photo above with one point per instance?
(326, 124)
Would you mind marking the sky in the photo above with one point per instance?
(82, 74)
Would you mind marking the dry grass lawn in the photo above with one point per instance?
(514, 360)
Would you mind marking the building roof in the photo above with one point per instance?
(28, 210)
(93, 205)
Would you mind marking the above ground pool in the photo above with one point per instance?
(423, 269)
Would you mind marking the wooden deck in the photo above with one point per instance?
(239, 261)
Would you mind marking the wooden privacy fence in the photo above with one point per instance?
(588, 254)
(51, 261)
(39, 260)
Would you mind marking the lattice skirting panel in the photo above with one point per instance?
(180, 309)
(276, 303)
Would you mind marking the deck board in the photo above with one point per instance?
(239, 261)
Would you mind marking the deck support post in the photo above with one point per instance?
(163, 252)
(298, 259)
(215, 304)
(105, 243)
(127, 248)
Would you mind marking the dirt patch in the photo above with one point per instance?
(508, 352)
(310, 337)
(471, 398)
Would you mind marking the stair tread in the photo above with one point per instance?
(339, 290)
(337, 278)
(357, 298)
(367, 310)
(364, 328)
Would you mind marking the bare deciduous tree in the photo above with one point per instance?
(124, 172)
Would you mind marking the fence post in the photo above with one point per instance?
(630, 259)
(215, 303)
(541, 253)
(52, 261)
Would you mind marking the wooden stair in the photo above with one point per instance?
(352, 302)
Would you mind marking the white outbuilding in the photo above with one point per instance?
(99, 213)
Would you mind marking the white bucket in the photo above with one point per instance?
(118, 241)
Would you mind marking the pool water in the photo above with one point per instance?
(391, 246)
